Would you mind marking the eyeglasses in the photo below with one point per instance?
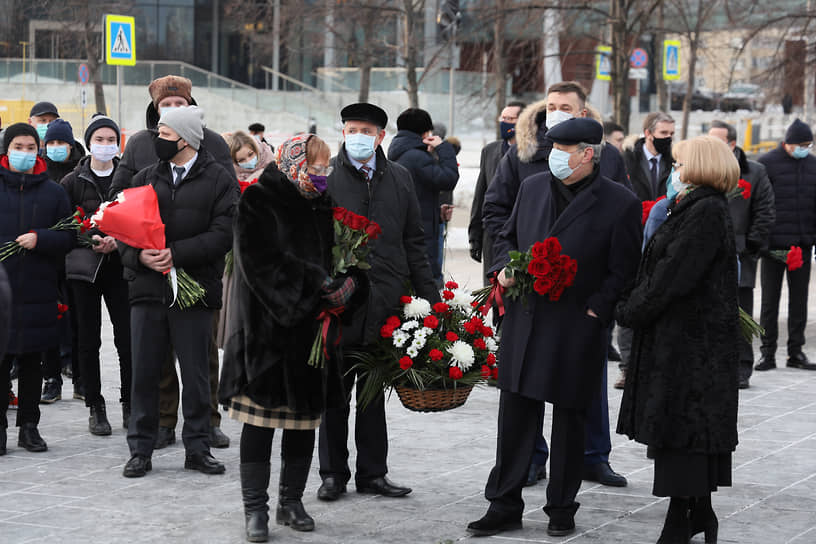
(320, 170)
(677, 165)
(806, 146)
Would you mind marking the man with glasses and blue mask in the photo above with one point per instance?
(367, 183)
(792, 170)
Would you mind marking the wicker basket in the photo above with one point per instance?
(433, 400)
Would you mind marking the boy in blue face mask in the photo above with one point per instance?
(61, 152)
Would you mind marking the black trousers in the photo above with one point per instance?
(256, 444)
(29, 381)
(746, 350)
(770, 278)
(520, 420)
(88, 308)
(154, 329)
(370, 437)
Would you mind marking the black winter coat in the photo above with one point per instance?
(282, 249)
(752, 218)
(140, 151)
(197, 215)
(398, 259)
(87, 190)
(794, 187)
(5, 309)
(32, 202)
(681, 382)
(477, 237)
(640, 180)
(58, 170)
(431, 176)
(554, 351)
(502, 191)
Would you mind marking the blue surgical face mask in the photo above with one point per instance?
(559, 164)
(801, 152)
(42, 128)
(674, 186)
(508, 130)
(360, 146)
(250, 164)
(57, 153)
(22, 161)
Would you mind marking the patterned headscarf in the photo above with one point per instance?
(291, 160)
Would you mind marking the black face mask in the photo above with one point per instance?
(167, 149)
(663, 145)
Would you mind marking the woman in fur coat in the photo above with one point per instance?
(283, 237)
(680, 397)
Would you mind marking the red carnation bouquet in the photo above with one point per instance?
(72, 222)
(245, 184)
(647, 208)
(134, 219)
(430, 347)
(743, 189)
(352, 232)
(791, 257)
(543, 269)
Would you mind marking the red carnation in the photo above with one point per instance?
(495, 373)
(405, 299)
(431, 322)
(386, 331)
(406, 363)
(455, 373)
(491, 359)
(393, 322)
(487, 332)
(435, 355)
(447, 295)
(479, 343)
(470, 327)
(746, 188)
(542, 286)
(647, 208)
(339, 213)
(474, 304)
(441, 307)
(85, 226)
(486, 372)
(452, 285)
(80, 211)
(794, 258)
(451, 336)
(539, 267)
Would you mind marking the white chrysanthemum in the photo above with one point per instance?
(423, 332)
(419, 342)
(408, 325)
(400, 338)
(491, 344)
(417, 308)
(461, 300)
(461, 355)
(412, 352)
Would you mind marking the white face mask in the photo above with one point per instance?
(557, 116)
(104, 152)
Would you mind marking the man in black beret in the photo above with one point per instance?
(554, 351)
(367, 183)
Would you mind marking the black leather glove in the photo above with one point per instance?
(476, 253)
(339, 292)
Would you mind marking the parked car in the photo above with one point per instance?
(743, 96)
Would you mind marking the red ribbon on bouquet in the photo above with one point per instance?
(495, 296)
(325, 316)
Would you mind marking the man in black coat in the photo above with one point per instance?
(481, 245)
(196, 200)
(554, 351)
(792, 170)
(167, 93)
(753, 215)
(367, 183)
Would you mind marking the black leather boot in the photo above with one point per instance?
(293, 476)
(30, 439)
(676, 526)
(703, 519)
(2, 440)
(254, 485)
(98, 423)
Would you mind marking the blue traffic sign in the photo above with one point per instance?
(639, 58)
(83, 73)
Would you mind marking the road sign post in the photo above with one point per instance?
(83, 74)
(671, 60)
(603, 64)
(120, 49)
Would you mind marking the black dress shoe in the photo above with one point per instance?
(330, 489)
(30, 439)
(204, 463)
(562, 519)
(218, 439)
(604, 475)
(494, 523)
(164, 438)
(137, 466)
(743, 383)
(536, 473)
(800, 360)
(765, 363)
(52, 391)
(98, 423)
(564, 528)
(382, 486)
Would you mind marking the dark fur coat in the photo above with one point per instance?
(681, 382)
(282, 249)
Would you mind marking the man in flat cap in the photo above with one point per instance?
(554, 351)
(166, 94)
(367, 183)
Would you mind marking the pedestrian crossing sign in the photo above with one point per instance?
(603, 67)
(671, 60)
(119, 40)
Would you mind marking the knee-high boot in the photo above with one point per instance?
(294, 473)
(703, 518)
(254, 485)
(676, 526)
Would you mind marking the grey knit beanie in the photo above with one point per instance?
(188, 122)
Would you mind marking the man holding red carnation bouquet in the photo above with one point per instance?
(553, 347)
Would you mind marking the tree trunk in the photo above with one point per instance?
(690, 83)
(619, 66)
(499, 63)
(92, 54)
(365, 79)
(662, 90)
(411, 54)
